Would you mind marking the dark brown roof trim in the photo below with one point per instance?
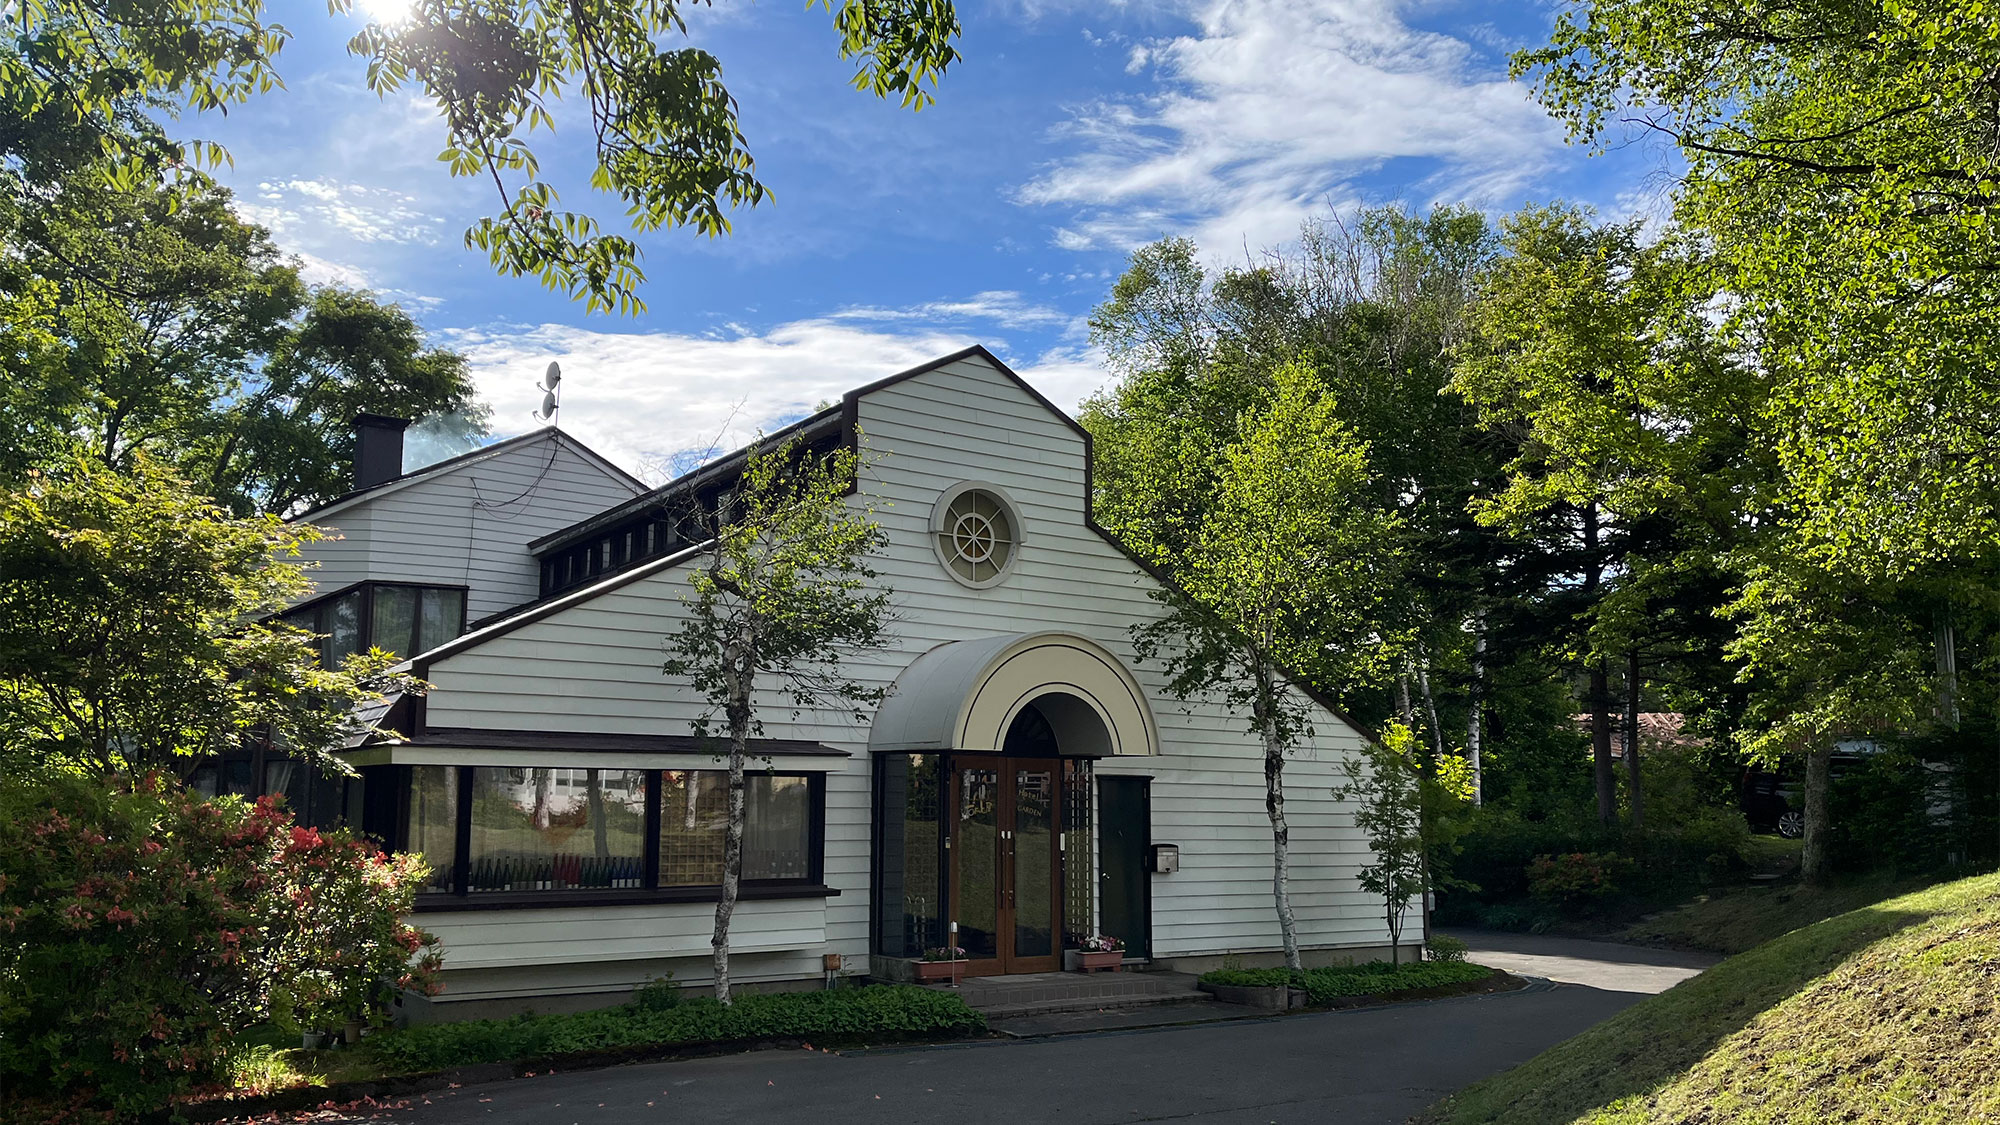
(601, 742)
(687, 482)
(535, 611)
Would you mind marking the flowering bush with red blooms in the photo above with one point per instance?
(143, 928)
(1577, 877)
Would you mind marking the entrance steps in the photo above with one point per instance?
(1037, 994)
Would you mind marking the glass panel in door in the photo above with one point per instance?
(1034, 860)
(977, 843)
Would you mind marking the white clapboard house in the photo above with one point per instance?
(1027, 779)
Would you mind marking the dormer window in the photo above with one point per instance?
(396, 617)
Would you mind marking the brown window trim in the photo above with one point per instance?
(440, 902)
(366, 614)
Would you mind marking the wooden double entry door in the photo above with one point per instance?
(1005, 849)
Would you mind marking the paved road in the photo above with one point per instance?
(1364, 1067)
(1599, 964)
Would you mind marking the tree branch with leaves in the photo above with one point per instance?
(781, 594)
(1288, 569)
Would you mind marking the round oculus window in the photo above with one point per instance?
(977, 535)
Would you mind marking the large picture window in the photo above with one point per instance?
(546, 829)
(694, 819)
(517, 834)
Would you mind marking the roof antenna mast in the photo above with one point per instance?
(551, 394)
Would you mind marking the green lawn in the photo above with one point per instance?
(1741, 918)
(1888, 1015)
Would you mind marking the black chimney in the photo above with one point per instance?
(378, 449)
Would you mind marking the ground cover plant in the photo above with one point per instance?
(1888, 1013)
(872, 1013)
(1324, 985)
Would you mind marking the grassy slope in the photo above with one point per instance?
(1886, 1014)
(1744, 918)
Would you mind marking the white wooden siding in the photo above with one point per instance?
(487, 939)
(597, 665)
(468, 525)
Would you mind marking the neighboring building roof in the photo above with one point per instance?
(1656, 729)
(472, 457)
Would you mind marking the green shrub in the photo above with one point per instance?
(658, 994)
(1444, 947)
(148, 929)
(837, 1015)
(1577, 878)
(1248, 978)
(1324, 985)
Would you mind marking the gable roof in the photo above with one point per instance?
(472, 457)
(847, 414)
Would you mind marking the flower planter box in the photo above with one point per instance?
(1091, 961)
(928, 971)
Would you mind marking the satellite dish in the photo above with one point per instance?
(551, 379)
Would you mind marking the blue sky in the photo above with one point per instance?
(1071, 133)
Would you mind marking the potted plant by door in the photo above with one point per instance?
(941, 963)
(1099, 952)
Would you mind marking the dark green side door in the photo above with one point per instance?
(1124, 832)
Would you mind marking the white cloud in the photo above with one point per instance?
(641, 398)
(359, 213)
(316, 270)
(1005, 307)
(1271, 110)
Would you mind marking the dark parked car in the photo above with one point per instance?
(1774, 803)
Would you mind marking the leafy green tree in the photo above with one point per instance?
(1835, 166)
(163, 324)
(782, 593)
(1287, 569)
(76, 76)
(1385, 784)
(1593, 350)
(128, 634)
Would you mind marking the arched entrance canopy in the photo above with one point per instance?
(963, 695)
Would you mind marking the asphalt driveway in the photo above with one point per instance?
(1364, 1066)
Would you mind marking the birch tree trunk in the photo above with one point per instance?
(1265, 713)
(1430, 701)
(1476, 708)
(742, 674)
